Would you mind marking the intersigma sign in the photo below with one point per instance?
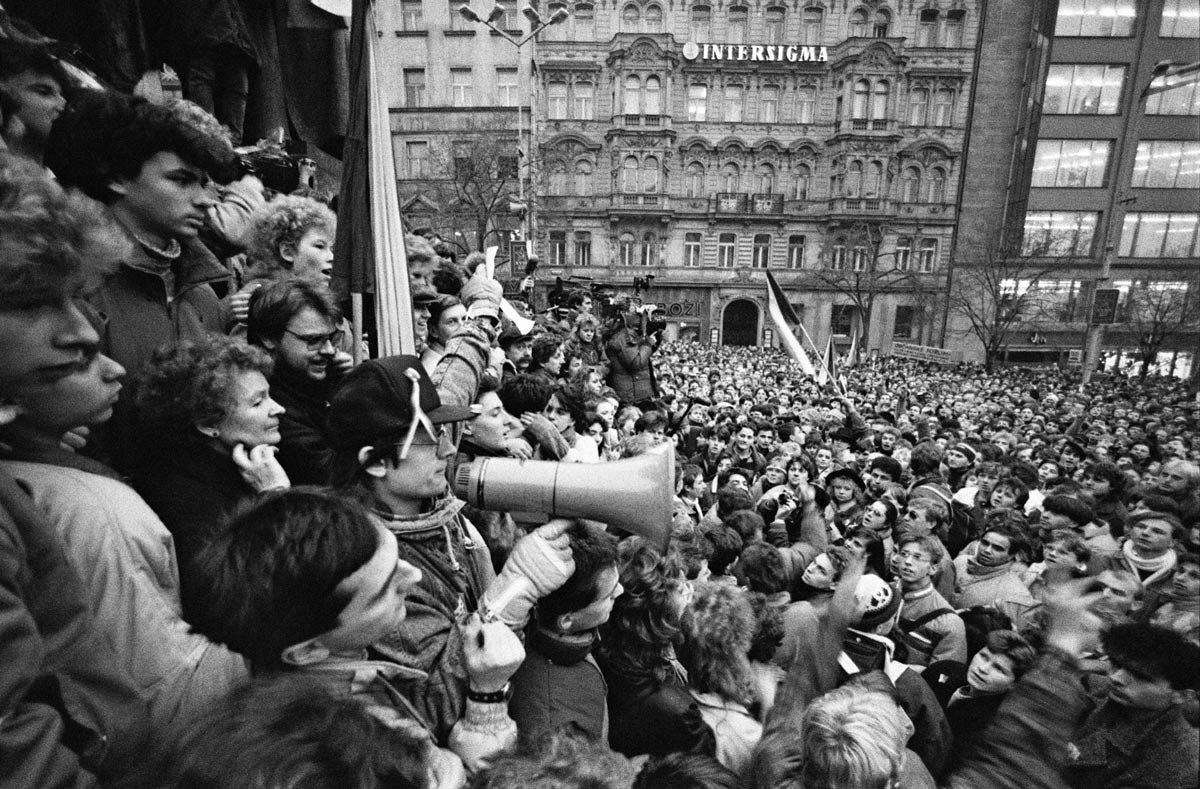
(763, 53)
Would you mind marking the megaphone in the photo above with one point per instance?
(636, 494)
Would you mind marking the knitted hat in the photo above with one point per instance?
(375, 402)
(968, 451)
(876, 600)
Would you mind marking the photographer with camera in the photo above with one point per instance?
(629, 351)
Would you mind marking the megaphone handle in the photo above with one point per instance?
(491, 608)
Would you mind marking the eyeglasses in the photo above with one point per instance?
(316, 342)
(916, 557)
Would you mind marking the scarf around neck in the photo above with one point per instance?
(1158, 567)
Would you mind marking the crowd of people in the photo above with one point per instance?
(231, 556)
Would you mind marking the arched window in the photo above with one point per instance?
(556, 100)
(558, 179)
(734, 100)
(633, 96)
(879, 100)
(627, 250)
(652, 97)
(812, 23)
(736, 34)
(883, 24)
(943, 107)
(631, 17)
(654, 19)
(862, 94)
(765, 179)
(701, 23)
(854, 175)
(858, 23)
(694, 176)
(937, 186)
(873, 180)
(910, 184)
(775, 24)
(650, 175)
(918, 106)
(583, 178)
(731, 177)
(803, 180)
(630, 173)
(649, 249)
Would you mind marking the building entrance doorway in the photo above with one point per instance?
(740, 323)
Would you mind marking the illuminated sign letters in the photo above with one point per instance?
(761, 53)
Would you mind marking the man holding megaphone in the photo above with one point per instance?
(390, 431)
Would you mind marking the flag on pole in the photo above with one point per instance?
(785, 320)
(369, 250)
(852, 355)
(826, 363)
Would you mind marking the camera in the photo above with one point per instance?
(785, 498)
(270, 163)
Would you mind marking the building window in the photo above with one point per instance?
(733, 101)
(862, 96)
(462, 93)
(557, 32)
(1059, 233)
(654, 18)
(556, 101)
(631, 172)
(506, 87)
(952, 33)
(910, 184)
(795, 253)
(879, 103)
(649, 249)
(650, 175)
(1180, 19)
(730, 177)
(416, 158)
(414, 87)
(583, 248)
(842, 319)
(775, 24)
(1153, 235)
(1070, 163)
(411, 16)
(927, 26)
(765, 177)
(937, 186)
(872, 180)
(858, 23)
(585, 22)
(928, 259)
(697, 102)
(558, 179)
(1167, 164)
(631, 17)
(585, 101)
(883, 23)
(558, 248)
(762, 250)
(768, 105)
(694, 177)
(918, 105)
(736, 32)
(633, 96)
(803, 178)
(583, 178)
(837, 256)
(905, 322)
(652, 97)
(1181, 100)
(701, 23)
(859, 258)
(903, 253)
(806, 105)
(853, 184)
(457, 21)
(726, 249)
(1084, 90)
(692, 247)
(812, 23)
(943, 107)
(627, 250)
(1095, 18)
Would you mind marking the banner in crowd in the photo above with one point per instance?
(926, 353)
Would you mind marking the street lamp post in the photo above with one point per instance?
(524, 132)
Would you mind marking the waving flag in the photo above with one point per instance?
(786, 321)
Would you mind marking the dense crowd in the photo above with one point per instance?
(231, 556)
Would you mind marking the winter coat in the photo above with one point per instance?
(559, 684)
(652, 717)
(304, 450)
(632, 374)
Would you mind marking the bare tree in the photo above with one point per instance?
(856, 266)
(1157, 311)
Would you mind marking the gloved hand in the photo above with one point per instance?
(492, 653)
(540, 562)
(482, 295)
